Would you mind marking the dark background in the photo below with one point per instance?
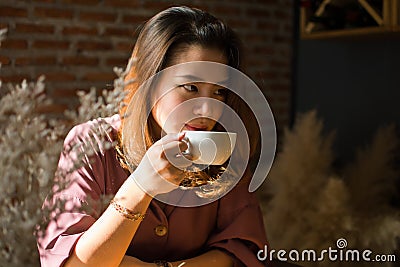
(353, 84)
(351, 80)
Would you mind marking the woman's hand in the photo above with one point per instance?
(161, 169)
(129, 261)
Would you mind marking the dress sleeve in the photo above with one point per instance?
(80, 201)
(240, 229)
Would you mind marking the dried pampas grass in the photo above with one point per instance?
(308, 205)
(30, 145)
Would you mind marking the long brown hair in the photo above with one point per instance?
(159, 41)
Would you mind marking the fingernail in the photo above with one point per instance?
(181, 135)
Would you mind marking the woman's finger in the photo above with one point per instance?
(173, 153)
(175, 146)
(170, 138)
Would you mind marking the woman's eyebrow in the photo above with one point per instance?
(193, 78)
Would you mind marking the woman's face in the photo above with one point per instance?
(179, 104)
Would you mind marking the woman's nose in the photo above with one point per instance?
(203, 107)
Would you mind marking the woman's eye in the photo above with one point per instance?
(190, 87)
(221, 92)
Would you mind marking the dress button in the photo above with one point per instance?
(161, 230)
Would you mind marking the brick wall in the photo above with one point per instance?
(76, 43)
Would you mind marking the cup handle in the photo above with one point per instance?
(189, 146)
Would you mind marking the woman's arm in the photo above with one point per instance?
(106, 241)
(210, 258)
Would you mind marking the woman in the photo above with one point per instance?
(136, 229)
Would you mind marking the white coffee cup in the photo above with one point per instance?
(209, 148)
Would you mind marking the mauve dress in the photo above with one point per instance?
(233, 223)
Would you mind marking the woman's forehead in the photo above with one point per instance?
(197, 71)
(188, 53)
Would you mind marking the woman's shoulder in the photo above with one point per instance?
(85, 127)
(99, 130)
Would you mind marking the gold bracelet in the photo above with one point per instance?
(163, 263)
(127, 213)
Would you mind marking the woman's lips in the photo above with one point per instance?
(195, 127)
